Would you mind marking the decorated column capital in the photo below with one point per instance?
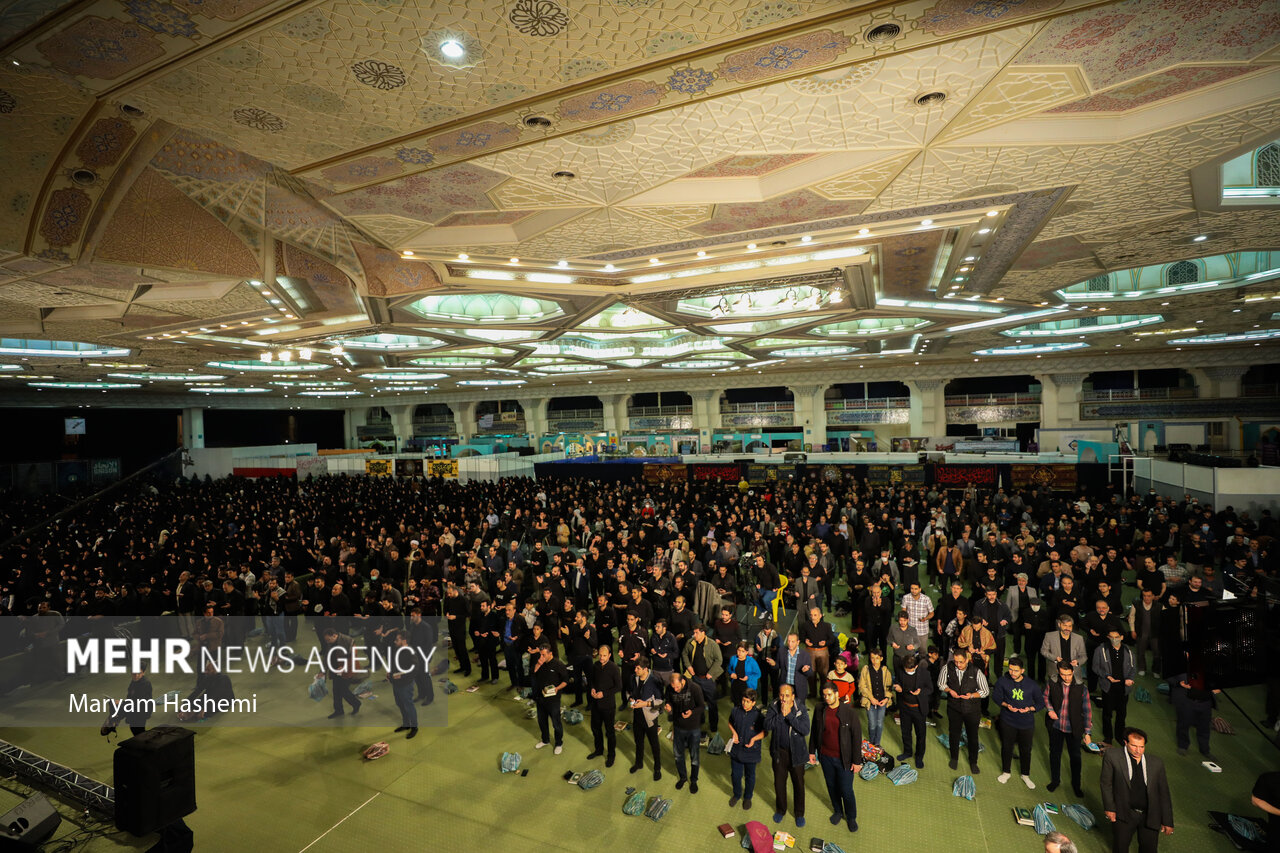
(1226, 372)
(926, 384)
(1067, 380)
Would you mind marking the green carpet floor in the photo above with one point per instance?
(295, 789)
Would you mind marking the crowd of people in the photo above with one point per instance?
(678, 601)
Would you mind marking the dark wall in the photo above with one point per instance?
(872, 390)
(669, 398)
(238, 427)
(136, 436)
(773, 394)
(565, 404)
(990, 385)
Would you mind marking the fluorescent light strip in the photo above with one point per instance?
(1012, 318)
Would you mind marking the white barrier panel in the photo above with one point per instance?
(221, 461)
(1248, 489)
(890, 458)
(1198, 479)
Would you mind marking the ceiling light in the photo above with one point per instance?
(304, 354)
(609, 268)
(701, 253)
(836, 295)
(562, 264)
(462, 256)
(984, 230)
(864, 231)
(751, 247)
(993, 213)
(408, 253)
(266, 357)
(806, 238)
(654, 261)
(336, 351)
(452, 48)
(1235, 310)
(926, 221)
(513, 260)
(1200, 239)
(286, 356)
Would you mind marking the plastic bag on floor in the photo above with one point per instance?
(964, 787)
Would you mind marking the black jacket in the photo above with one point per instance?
(606, 678)
(850, 733)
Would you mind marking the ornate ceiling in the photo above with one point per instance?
(532, 190)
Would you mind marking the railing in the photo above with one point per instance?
(434, 421)
(657, 411)
(1123, 394)
(575, 415)
(502, 426)
(1260, 390)
(1023, 397)
(739, 408)
(856, 404)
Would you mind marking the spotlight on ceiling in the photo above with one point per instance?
(336, 351)
(452, 48)
(806, 239)
(286, 356)
(609, 268)
(654, 261)
(864, 231)
(408, 253)
(304, 354)
(562, 264)
(702, 253)
(993, 213)
(266, 357)
(1200, 239)
(751, 247)
(513, 260)
(926, 222)
(462, 256)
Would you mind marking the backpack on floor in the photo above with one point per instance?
(658, 808)
(903, 775)
(964, 787)
(571, 716)
(757, 838)
(591, 779)
(869, 771)
(634, 804)
(1080, 815)
(510, 762)
(715, 746)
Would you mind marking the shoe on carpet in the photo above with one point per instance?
(799, 822)
(1182, 750)
(903, 757)
(777, 817)
(919, 763)
(836, 818)
(693, 786)
(1079, 793)
(540, 744)
(733, 801)
(595, 753)
(402, 729)
(746, 804)
(608, 762)
(953, 764)
(413, 733)
(1026, 780)
(337, 714)
(1051, 787)
(1002, 778)
(974, 770)
(680, 783)
(635, 768)
(853, 826)
(558, 750)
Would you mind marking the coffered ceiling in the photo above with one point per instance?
(534, 190)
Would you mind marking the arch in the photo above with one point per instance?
(1182, 272)
(1266, 166)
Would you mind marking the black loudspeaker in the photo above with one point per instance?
(31, 823)
(155, 779)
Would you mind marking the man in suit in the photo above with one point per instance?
(646, 699)
(787, 725)
(913, 685)
(605, 682)
(422, 636)
(1135, 795)
(793, 666)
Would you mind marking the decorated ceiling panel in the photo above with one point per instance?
(447, 196)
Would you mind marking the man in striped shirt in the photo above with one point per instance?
(919, 611)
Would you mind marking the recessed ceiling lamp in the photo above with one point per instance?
(609, 268)
(931, 99)
(266, 357)
(286, 356)
(336, 351)
(1200, 238)
(304, 354)
(864, 231)
(926, 222)
(984, 230)
(537, 121)
(513, 260)
(751, 247)
(463, 256)
(452, 48)
(408, 253)
(701, 253)
(562, 264)
(807, 239)
(654, 261)
(993, 213)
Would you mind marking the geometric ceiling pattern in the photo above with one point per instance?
(532, 191)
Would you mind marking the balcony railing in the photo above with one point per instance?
(740, 408)
(434, 421)
(1125, 394)
(576, 415)
(1260, 390)
(1022, 397)
(658, 411)
(856, 404)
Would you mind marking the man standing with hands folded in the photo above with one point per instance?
(836, 744)
(1135, 795)
(1018, 698)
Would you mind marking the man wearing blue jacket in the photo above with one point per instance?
(1019, 699)
(787, 724)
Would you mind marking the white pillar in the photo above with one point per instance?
(192, 428)
(535, 416)
(706, 414)
(811, 412)
(464, 420)
(352, 419)
(402, 423)
(928, 409)
(616, 421)
(1060, 398)
(1227, 380)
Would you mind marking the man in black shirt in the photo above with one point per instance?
(605, 681)
(1135, 795)
(549, 678)
(580, 642)
(685, 705)
(818, 638)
